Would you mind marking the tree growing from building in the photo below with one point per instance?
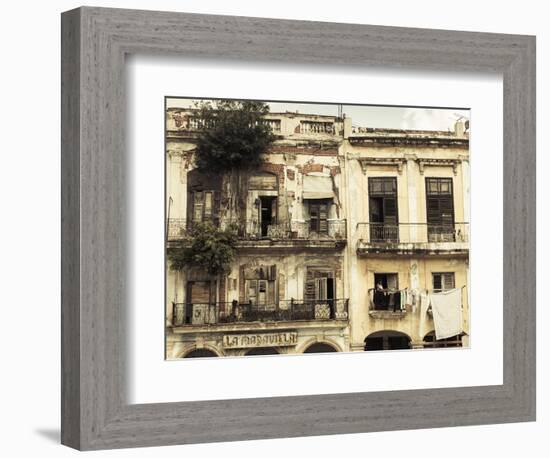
(233, 135)
(206, 247)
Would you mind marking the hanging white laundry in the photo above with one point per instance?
(447, 313)
(414, 299)
(424, 300)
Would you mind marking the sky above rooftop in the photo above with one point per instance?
(390, 117)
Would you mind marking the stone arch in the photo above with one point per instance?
(314, 341)
(206, 351)
(387, 340)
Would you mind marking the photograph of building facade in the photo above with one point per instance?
(347, 238)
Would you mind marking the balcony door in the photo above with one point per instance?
(318, 216)
(383, 216)
(440, 209)
(200, 294)
(320, 288)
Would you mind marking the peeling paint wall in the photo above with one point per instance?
(349, 159)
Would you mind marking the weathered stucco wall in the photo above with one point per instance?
(349, 159)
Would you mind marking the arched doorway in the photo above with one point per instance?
(200, 353)
(431, 342)
(320, 347)
(387, 340)
(262, 351)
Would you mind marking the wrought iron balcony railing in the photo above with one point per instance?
(294, 230)
(257, 230)
(380, 233)
(200, 314)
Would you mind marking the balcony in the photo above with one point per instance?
(412, 239)
(386, 304)
(227, 313)
(329, 234)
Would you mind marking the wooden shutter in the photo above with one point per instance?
(446, 210)
(309, 294)
(251, 287)
(208, 204)
(383, 199)
(198, 206)
(323, 217)
(274, 211)
(272, 272)
(199, 292)
(448, 280)
(321, 289)
(439, 201)
(271, 289)
(313, 217)
(443, 281)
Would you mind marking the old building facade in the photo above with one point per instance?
(341, 231)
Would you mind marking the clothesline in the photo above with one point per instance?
(424, 290)
(446, 306)
(399, 299)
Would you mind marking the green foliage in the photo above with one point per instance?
(233, 135)
(206, 247)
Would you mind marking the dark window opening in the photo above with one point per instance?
(386, 294)
(268, 213)
(200, 353)
(320, 348)
(387, 340)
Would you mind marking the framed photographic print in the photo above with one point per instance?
(265, 240)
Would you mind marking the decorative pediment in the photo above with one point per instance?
(438, 163)
(397, 162)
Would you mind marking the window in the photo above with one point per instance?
(203, 206)
(320, 286)
(208, 201)
(443, 281)
(387, 281)
(318, 216)
(440, 209)
(383, 214)
(262, 292)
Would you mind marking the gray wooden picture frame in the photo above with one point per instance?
(95, 413)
